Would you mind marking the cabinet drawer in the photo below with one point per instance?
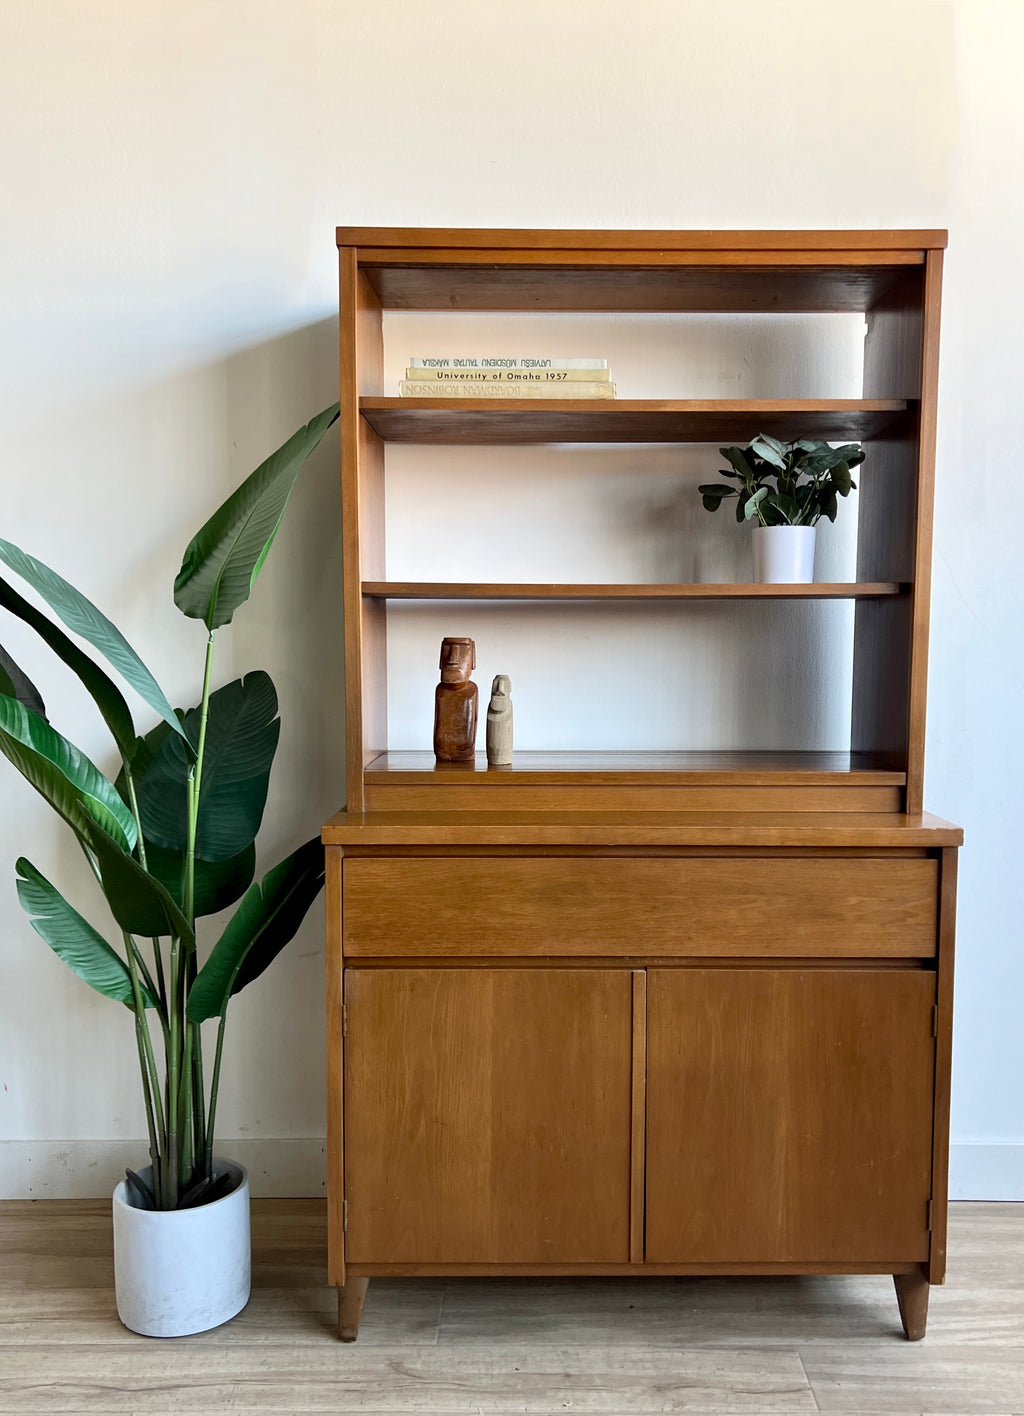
(802, 907)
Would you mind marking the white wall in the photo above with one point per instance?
(172, 175)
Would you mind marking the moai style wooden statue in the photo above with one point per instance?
(499, 722)
(455, 703)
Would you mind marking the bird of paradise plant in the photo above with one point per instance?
(172, 839)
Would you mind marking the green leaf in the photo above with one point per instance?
(241, 739)
(104, 691)
(763, 446)
(61, 773)
(15, 683)
(716, 489)
(750, 510)
(74, 940)
(788, 507)
(82, 617)
(225, 556)
(217, 883)
(263, 924)
(737, 458)
(137, 900)
(841, 479)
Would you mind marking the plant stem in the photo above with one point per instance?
(195, 785)
(173, 1161)
(198, 1102)
(185, 1111)
(214, 1088)
(150, 1082)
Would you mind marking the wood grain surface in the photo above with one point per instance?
(481, 907)
(532, 420)
(433, 237)
(789, 1114)
(488, 1115)
(810, 830)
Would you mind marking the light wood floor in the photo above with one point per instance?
(531, 1345)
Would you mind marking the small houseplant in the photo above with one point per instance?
(785, 489)
(169, 841)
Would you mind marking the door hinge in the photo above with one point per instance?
(344, 1020)
(344, 1216)
(928, 1224)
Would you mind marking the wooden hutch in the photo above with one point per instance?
(579, 1019)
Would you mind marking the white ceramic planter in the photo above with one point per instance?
(182, 1271)
(783, 555)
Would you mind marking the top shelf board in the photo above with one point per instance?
(773, 272)
(535, 420)
(499, 239)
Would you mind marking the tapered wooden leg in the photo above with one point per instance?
(351, 1297)
(912, 1296)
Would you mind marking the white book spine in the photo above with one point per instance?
(410, 388)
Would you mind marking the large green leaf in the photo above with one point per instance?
(82, 617)
(137, 900)
(263, 924)
(15, 682)
(74, 940)
(61, 773)
(225, 556)
(241, 738)
(107, 696)
(217, 883)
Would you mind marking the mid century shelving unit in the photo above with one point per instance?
(627, 1012)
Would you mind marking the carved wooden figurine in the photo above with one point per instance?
(499, 722)
(455, 701)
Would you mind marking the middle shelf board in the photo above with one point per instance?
(619, 420)
(451, 590)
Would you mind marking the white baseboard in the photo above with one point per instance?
(89, 1170)
(986, 1172)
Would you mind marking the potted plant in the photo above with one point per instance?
(169, 841)
(786, 488)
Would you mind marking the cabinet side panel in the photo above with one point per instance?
(361, 356)
(923, 547)
(789, 1115)
(335, 1070)
(943, 1064)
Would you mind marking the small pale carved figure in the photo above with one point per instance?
(455, 703)
(499, 722)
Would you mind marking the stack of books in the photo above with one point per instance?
(511, 377)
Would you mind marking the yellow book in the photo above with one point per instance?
(501, 388)
(449, 375)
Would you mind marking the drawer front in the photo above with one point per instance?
(754, 907)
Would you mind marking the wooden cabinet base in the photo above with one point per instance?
(912, 1291)
(351, 1297)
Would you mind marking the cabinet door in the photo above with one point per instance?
(789, 1115)
(487, 1115)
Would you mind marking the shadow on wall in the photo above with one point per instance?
(151, 462)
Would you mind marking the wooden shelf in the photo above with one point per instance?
(452, 590)
(536, 420)
(725, 768)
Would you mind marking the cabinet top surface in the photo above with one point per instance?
(639, 828)
(430, 237)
